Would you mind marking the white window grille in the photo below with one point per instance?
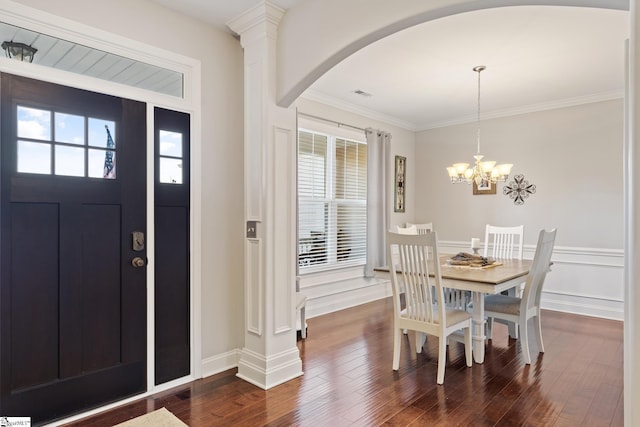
(332, 201)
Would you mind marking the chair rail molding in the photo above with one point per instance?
(586, 281)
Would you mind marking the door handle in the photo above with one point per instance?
(138, 262)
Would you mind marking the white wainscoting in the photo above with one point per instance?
(583, 281)
(586, 281)
(220, 362)
(339, 289)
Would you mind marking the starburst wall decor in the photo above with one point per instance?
(519, 189)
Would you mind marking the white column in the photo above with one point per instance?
(632, 226)
(270, 355)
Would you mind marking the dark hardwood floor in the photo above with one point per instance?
(348, 381)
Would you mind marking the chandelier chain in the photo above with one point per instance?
(478, 122)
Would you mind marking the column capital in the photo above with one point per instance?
(263, 18)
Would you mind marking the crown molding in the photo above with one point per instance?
(313, 95)
(323, 98)
(525, 109)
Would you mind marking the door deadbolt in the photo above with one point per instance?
(137, 243)
(137, 262)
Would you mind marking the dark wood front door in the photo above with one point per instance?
(72, 303)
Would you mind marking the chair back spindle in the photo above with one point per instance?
(505, 242)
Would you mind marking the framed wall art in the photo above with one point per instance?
(485, 187)
(400, 182)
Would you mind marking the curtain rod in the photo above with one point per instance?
(310, 116)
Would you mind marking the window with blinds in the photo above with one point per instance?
(332, 201)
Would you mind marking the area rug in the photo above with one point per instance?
(160, 418)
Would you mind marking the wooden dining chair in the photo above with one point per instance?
(425, 311)
(520, 309)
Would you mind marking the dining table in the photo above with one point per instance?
(491, 279)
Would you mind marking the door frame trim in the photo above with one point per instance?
(57, 26)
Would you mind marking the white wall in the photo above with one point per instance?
(222, 149)
(574, 157)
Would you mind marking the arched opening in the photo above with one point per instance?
(330, 59)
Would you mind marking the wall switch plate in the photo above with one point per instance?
(251, 229)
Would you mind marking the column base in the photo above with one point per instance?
(270, 371)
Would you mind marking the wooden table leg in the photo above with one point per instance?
(478, 327)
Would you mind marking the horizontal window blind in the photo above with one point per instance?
(332, 189)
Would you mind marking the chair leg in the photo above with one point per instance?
(524, 340)
(303, 323)
(513, 326)
(442, 358)
(538, 330)
(489, 327)
(468, 346)
(397, 335)
(421, 337)
(513, 330)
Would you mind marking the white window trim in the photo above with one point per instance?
(332, 133)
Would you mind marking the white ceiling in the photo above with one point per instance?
(537, 57)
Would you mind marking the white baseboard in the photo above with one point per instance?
(353, 293)
(220, 363)
(268, 372)
(585, 306)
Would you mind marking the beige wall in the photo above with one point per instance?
(222, 145)
(573, 156)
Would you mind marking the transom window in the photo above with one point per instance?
(57, 143)
(332, 201)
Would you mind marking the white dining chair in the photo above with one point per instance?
(520, 309)
(425, 311)
(427, 227)
(409, 229)
(301, 308)
(505, 243)
(452, 297)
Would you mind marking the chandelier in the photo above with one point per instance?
(482, 172)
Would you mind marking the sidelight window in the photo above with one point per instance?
(170, 153)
